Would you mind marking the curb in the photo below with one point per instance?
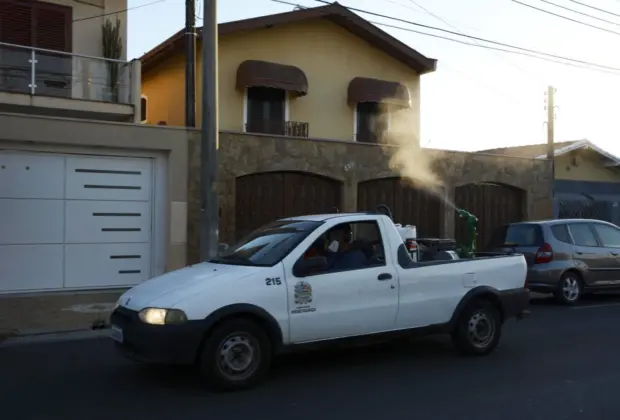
(58, 337)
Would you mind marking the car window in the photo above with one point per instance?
(521, 234)
(349, 246)
(560, 232)
(609, 236)
(269, 244)
(582, 234)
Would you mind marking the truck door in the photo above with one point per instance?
(355, 293)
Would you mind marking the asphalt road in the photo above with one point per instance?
(561, 363)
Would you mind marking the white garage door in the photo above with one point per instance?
(72, 222)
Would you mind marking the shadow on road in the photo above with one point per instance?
(588, 299)
(429, 352)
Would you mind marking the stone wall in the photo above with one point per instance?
(242, 154)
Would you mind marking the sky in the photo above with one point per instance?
(478, 98)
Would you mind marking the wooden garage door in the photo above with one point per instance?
(409, 205)
(261, 198)
(493, 204)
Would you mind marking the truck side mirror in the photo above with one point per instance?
(306, 267)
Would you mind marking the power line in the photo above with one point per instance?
(579, 63)
(595, 8)
(501, 44)
(580, 13)
(567, 18)
(455, 28)
(612, 70)
(119, 11)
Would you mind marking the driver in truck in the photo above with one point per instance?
(339, 254)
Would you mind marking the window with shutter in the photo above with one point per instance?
(41, 25)
(266, 110)
(36, 24)
(16, 23)
(52, 26)
(371, 122)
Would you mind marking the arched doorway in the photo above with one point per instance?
(493, 204)
(409, 205)
(267, 196)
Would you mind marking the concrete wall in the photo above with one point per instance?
(166, 144)
(329, 56)
(243, 154)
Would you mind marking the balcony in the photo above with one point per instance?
(45, 82)
(280, 128)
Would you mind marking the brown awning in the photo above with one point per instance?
(262, 73)
(362, 89)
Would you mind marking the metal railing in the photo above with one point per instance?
(41, 72)
(280, 128)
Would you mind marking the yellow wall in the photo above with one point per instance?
(586, 167)
(329, 56)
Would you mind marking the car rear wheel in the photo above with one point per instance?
(569, 289)
(237, 355)
(478, 329)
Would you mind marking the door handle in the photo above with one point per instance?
(384, 276)
(614, 253)
(578, 252)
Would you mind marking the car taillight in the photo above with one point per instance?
(544, 254)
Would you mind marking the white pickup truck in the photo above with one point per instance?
(313, 280)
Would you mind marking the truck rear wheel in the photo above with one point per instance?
(478, 329)
(236, 355)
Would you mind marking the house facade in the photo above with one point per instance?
(91, 201)
(306, 100)
(586, 178)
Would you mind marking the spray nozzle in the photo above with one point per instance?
(467, 216)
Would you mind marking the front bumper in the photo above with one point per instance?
(162, 344)
(515, 303)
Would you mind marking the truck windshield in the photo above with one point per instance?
(269, 244)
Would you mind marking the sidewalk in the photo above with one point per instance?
(53, 313)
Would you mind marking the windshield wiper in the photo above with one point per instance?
(232, 259)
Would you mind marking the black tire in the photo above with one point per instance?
(466, 337)
(226, 339)
(570, 289)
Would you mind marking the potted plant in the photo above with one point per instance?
(112, 50)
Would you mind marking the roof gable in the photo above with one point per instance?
(539, 151)
(334, 12)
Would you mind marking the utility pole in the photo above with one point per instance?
(190, 63)
(551, 141)
(209, 131)
(550, 122)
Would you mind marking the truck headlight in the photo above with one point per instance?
(160, 316)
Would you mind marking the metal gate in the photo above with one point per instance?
(493, 204)
(264, 197)
(409, 205)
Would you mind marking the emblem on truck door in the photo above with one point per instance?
(303, 293)
(302, 298)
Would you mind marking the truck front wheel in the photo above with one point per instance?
(478, 329)
(236, 355)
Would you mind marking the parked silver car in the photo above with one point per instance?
(566, 257)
